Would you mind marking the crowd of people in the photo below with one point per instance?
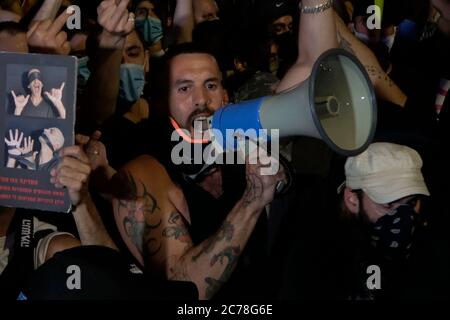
(142, 226)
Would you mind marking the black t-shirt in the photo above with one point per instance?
(42, 110)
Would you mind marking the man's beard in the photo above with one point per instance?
(202, 111)
(363, 216)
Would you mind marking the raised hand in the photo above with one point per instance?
(55, 95)
(14, 142)
(443, 6)
(116, 22)
(47, 36)
(48, 10)
(20, 102)
(73, 173)
(27, 149)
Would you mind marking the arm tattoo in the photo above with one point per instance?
(176, 229)
(372, 71)
(345, 44)
(253, 191)
(389, 81)
(231, 254)
(226, 232)
(151, 243)
(136, 212)
(377, 73)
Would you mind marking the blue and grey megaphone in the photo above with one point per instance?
(336, 104)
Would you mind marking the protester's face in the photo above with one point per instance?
(373, 211)
(36, 87)
(195, 88)
(17, 43)
(55, 137)
(282, 25)
(205, 10)
(145, 9)
(134, 52)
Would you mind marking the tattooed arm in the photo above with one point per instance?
(385, 88)
(317, 34)
(153, 223)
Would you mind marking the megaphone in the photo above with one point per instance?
(336, 104)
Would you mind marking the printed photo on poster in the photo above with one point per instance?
(36, 91)
(23, 153)
(37, 120)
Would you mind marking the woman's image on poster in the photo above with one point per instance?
(37, 102)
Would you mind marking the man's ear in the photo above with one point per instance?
(351, 201)
(225, 98)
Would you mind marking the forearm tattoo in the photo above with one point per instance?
(377, 73)
(254, 189)
(225, 232)
(176, 229)
(345, 44)
(229, 256)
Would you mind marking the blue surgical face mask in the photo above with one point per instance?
(83, 70)
(132, 82)
(151, 28)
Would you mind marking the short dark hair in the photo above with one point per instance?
(186, 48)
(161, 72)
(12, 28)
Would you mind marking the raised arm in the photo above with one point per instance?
(55, 96)
(385, 88)
(48, 10)
(99, 102)
(317, 34)
(183, 21)
(154, 224)
(47, 36)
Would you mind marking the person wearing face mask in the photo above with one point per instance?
(123, 132)
(280, 18)
(150, 26)
(383, 200)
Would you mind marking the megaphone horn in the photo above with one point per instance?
(336, 104)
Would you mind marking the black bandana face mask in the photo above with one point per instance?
(392, 234)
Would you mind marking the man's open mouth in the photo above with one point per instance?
(201, 124)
